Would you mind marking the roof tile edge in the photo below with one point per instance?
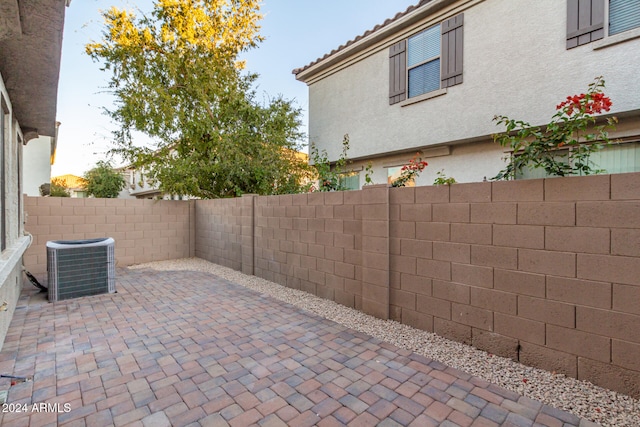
(366, 34)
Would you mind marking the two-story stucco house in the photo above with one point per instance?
(432, 78)
(30, 49)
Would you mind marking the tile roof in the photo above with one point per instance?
(367, 33)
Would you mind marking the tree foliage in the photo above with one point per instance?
(176, 77)
(102, 181)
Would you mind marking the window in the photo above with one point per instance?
(616, 158)
(423, 61)
(586, 19)
(394, 173)
(624, 15)
(350, 181)
(426, 61)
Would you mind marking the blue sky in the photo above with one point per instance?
(297, 32)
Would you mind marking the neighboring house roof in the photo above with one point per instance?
(71, 181)
(411, 15)
(30, 48)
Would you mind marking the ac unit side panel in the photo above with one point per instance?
(52, 274)
(111, 265)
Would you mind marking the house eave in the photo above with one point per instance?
(307, 73)
(30, 48)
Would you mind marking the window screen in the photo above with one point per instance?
(616, 158)
(424, 78)
(350, 181)
(423, 61)
(624, 15)
(424, 46)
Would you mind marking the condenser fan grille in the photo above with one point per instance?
(80, 268)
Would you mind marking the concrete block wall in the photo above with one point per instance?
(144, 230)
(543, 271)
(225, 232)
(312, 242)
(546, 272)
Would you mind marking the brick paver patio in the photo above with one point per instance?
(188, 348)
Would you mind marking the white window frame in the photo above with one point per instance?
(610, 40)
(426, 61)
(5, 139)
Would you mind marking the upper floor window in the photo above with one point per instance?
(624, 15)
(423, 61)
(586, 19)
(427, 61)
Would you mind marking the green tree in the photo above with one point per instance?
(176, 77)
(103, 181)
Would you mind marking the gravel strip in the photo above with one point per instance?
(606, 407)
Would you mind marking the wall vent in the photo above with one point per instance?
(78, 268)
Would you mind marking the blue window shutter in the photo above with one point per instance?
(624, 15)
(585, 21)
(452, 51)
(398, 72)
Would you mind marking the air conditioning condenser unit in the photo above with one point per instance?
(78, 268)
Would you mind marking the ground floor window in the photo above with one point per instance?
(394, 172)
(616, 158)
(350, 180)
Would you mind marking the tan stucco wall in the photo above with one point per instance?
(16, 243)
(513, 65)
(465, 162)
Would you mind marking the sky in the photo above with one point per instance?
(297, 32)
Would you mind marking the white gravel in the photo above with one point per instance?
(606, 407)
